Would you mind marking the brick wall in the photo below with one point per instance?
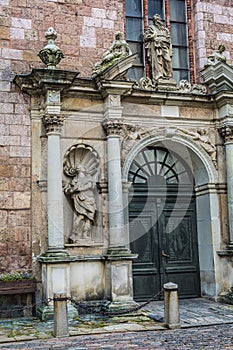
(85, 30)
(213, 26)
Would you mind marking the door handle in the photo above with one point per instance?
(165, 255)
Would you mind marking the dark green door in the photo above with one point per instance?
(162, 225)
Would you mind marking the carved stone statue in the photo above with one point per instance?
(81, 190)
(201, 136)
(119, 50)
(159, 52)
(217, 56)
(81, 163)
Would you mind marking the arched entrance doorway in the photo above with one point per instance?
(162, 223)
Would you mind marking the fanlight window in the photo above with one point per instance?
(157, 166)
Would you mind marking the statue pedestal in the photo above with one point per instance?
(168, 84)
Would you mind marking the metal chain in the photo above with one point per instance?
(25, 307)
(120, 312)
(86, 308)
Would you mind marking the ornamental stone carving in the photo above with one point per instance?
(119, 50)
(217, 56)
(184, 86)
(81, 163)
(51, 55)
(113, 127)
(53, 123)
(201, 136)
(226, 132)
(159, 50)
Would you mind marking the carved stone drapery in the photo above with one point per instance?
(81, 162)
(53, 123)
(159, 50)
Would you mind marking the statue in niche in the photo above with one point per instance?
(81, 162)
(201, 136)
(159, 51)
(119, 50)
(217, 56)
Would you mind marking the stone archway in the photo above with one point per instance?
(207, 208)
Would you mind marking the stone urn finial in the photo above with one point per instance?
(51, 55)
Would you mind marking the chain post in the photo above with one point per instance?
(60, 315)
(171, 306)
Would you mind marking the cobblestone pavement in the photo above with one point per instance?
(204, 325)
(197, 338)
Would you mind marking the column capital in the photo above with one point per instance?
(113, 127)
(226, 131)
(53, 123)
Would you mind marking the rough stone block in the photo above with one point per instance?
(111, 14)
(12, 54)
(98, 13)
(107, 23)
(21, 23)
(87, 41)
(88, 31)
(19, 151)
(17, 33)
(225, 37)
(93, 22)
(213, 8)
(4, 33)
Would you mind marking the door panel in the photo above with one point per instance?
(181, 265)
(146, 277)
(166, 243)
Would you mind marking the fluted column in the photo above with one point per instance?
(53, 125)
(227, 133)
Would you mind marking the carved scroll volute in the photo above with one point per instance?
(81, 164)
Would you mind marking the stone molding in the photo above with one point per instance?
(53, 123)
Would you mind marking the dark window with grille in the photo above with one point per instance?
(139, 14)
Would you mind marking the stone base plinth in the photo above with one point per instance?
(46, 312)
(123, 307)
(166, 85)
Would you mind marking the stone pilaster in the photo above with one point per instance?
(119, 258)
(226, 132)
(113, 129)
(53, 125)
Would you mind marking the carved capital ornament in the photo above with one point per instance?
(53, 123)
(226, 132)
(113, 127)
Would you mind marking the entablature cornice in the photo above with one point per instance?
(39, 81)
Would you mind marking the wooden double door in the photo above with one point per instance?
(163, 234)
(162, 222)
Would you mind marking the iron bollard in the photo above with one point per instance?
(60, 315)
(171, 306)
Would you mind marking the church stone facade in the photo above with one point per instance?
(111, 187)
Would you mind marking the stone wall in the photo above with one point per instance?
(85, 31)
(213, 25)
(80, 27)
